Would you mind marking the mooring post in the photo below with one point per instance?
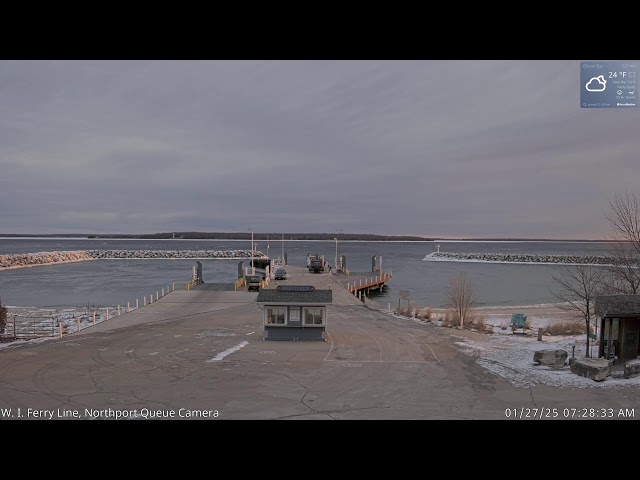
(107, 314)
(136, 303)
(128, 307)
(539, 334)
(156, 295)
(163, 291)
(59, 326)
(174, 286)
(94, 316)
(78, 324)
(145, 300)
(118, 310)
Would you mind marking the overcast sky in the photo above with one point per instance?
(442, 148)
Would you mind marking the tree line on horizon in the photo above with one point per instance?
(263, 236)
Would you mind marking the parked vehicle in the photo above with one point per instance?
(280, 274)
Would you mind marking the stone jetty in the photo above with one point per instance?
(519, 258)
(164, 254)
(22, 260)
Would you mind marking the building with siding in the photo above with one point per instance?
(619, 326)
(294, 312)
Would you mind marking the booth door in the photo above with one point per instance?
(295, 319)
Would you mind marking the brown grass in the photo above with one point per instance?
(427, 314)
(450, 320)
(478, 322)
(404, 311)
(564, 328)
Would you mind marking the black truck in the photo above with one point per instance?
(315, 263)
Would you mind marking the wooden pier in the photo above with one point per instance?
(363, 283)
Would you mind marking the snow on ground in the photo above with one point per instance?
(510, 356)
(45, 323)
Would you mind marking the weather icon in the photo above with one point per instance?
(596, 84)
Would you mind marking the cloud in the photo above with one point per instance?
(385, 146)
(596, 84)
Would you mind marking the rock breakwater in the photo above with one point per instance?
(519, 258)
(163, 254)
(22, 260)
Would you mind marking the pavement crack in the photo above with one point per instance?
(532, 399)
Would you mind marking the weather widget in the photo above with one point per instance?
(609, 84)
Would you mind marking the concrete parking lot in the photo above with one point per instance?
(202, 351)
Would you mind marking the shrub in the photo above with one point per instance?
(450, 319)
(428, 313)
(478, 322)
(564, 328)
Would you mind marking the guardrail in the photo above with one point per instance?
(192, 284)
(239, 284)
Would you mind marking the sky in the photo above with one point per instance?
(434, 148)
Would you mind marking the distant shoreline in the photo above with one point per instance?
(290, 237)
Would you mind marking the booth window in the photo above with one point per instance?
(276, 315)
(314, 316)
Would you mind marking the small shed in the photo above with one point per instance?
(619, 326)
(294, 312)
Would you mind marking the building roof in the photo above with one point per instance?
(271, 295)
(618, 305)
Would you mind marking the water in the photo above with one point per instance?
(113, 282)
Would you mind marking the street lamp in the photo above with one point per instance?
(253, 270)
(337, 252)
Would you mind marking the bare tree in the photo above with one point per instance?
(3, 316)
(461, 295)
(576, 288)
(624, 219)
(623, 277)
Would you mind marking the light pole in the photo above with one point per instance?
(253, 270)
(338, 252)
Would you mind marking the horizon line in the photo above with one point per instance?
(342, 234)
